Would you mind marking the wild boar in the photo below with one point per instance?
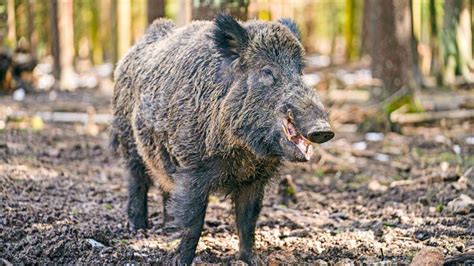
(215, 106)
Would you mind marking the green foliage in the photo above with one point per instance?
(290, 191)
(439, 207)
(408, 101)
(319, 173)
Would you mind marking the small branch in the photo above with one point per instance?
(429, 179)
(411, 118)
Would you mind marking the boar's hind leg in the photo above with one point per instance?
(188, 205)
(247, 203)
(139, 183)
(165, 195)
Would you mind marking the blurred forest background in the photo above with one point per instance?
(413, 44)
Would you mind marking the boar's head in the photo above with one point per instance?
(267, 106)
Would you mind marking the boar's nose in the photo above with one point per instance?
(320, 134)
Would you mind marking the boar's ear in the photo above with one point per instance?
(229, 36)
(291, 25)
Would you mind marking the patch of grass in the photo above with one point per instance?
(388, 224)
(362, 178)
(290, 191)
(439, 207)
(123, 242)
(410, 254)
(449, 157)
(469, 161)
(398, 177)
(417, 152)
(358, 180)
(108, 206)
(319, 173)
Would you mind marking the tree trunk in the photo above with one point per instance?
(349, 28)
(472, 27)
(333, 30)
(463, 37)
(66, 43)
(114, 30)
(414, 48)
(55, 48)
(207, 9)
(185, 14)
(449, 45)
(309, 34)
(11, 23)
(393, 53)
(456, 45)
(435, 68)
(124, 26)
(368, 27)
(155, 9)
(32, 35)
(97, 49)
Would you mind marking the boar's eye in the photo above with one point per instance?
(267, 77)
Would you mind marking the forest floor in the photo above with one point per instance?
(369, 198)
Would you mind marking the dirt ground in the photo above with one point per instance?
(366, 198)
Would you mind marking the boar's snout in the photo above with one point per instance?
(320, 133)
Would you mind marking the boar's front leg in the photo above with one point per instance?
(247, 203)
(188, 205)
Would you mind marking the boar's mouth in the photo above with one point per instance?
(293, 136)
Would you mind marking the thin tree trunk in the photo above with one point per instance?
(97, 52)
(449, 48)
(114, 31)
(106, 30)
(333, 29)
(124, 26)
(139, 19)
(32, 34)
(457, 47)
(155, 9)
(66, 42)
(349, 28)
(368, 27)
(308, 41)
(464, 45)
(418, 77)
(55, 47)
(435, 68)
(11, 23)
(472, 26)
(185, 14)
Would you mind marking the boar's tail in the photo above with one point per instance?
(159, 29)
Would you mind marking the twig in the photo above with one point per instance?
(412, 118)
(429, 179)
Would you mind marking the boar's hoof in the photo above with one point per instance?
(177, 260)
(247, 258)
(138, 223)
